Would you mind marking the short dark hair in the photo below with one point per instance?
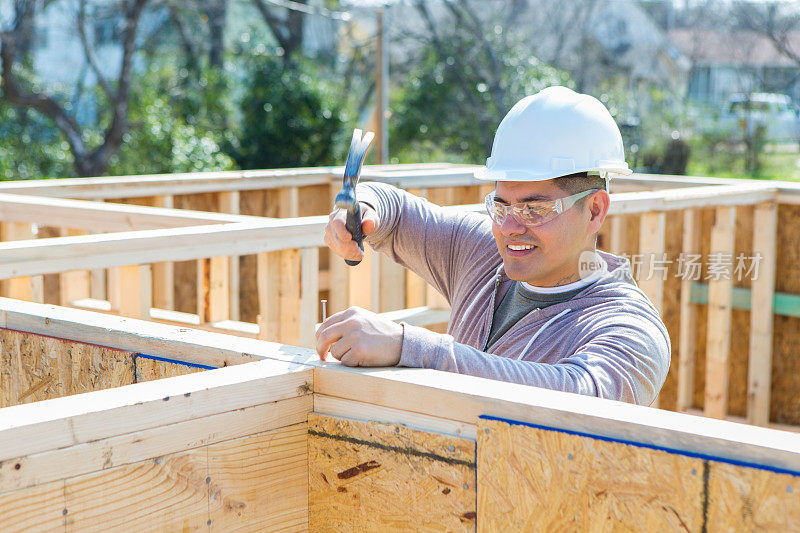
(579, 182)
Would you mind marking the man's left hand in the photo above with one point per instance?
(358, 337)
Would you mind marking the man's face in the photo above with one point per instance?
(557, 244)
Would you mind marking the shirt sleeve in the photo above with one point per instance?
(426, 238)
(626, 364)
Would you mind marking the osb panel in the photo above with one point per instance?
(257, 483)
(148, 369)
(785, 406)
(532, 479)
(748, 499)
(368, 476)
(33, 368)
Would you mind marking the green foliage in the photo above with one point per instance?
(453, 98)
(173, 129)
(289, 117)
(30, 148)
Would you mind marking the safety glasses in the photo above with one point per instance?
(532, 213)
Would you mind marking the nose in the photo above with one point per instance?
(512, 226)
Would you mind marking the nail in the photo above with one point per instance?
(324, 310)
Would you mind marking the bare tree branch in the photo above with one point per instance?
(86, 163)
(89, 52)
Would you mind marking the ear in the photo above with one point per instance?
(598, 205)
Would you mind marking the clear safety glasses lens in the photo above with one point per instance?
(532, 213)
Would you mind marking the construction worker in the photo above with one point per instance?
(532, 300)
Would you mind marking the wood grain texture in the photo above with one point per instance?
(254, 483)
(148, 369)
(35, 367)
(368, 476)
(532, 479)
(748, 499)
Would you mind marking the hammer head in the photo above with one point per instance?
(346, 199)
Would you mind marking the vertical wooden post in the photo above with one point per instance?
(688, 316)
(339, 292)
(269, 312)
(652, 245)
(289, 202)
(130, 290)
(164, 273)
(720, 296)
(381, 91)
(97, 277)
(765, 224)
(309, 295)
(618, 235)
(75, 284)
(24, 287)
(229, 203)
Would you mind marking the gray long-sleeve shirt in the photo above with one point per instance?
(607, 341)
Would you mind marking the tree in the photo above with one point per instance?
(291, 117)
(466, 73)
(88, 160)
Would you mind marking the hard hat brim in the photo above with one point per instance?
(486, 174)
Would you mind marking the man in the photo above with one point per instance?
(532, 301)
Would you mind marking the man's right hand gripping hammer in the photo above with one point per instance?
(346, 199)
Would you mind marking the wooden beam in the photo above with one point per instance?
(229, 203)
(619, 236)
(720, 288)
(138, 247)
(170, 184)
(99, 217)
(688, 315)
(34, 428)
(74, 284)
(24, 287)
(164, 273)
(118, 450)
(765, 224)
(652, 245)
(670, 200)
(309, 296)
(130, 290)
(177, 342)
(216, 485)
(269, 311)
(455, 397)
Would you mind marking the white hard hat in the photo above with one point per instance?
(553, 133)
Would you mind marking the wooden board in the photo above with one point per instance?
(749, 499)
(257, 482)
(532, 479)
(148, 369)
(35, 367)
(367, 476)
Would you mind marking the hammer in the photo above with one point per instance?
(346, 199)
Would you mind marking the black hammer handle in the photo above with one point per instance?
(353, 225)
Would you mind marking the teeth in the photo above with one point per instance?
(518, 247)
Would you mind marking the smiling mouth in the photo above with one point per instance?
(520, 247)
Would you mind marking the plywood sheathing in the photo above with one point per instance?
(259, 482)
(148, 369)
(34, 367)
(785, 404)
(535, 479)
(369, 476)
